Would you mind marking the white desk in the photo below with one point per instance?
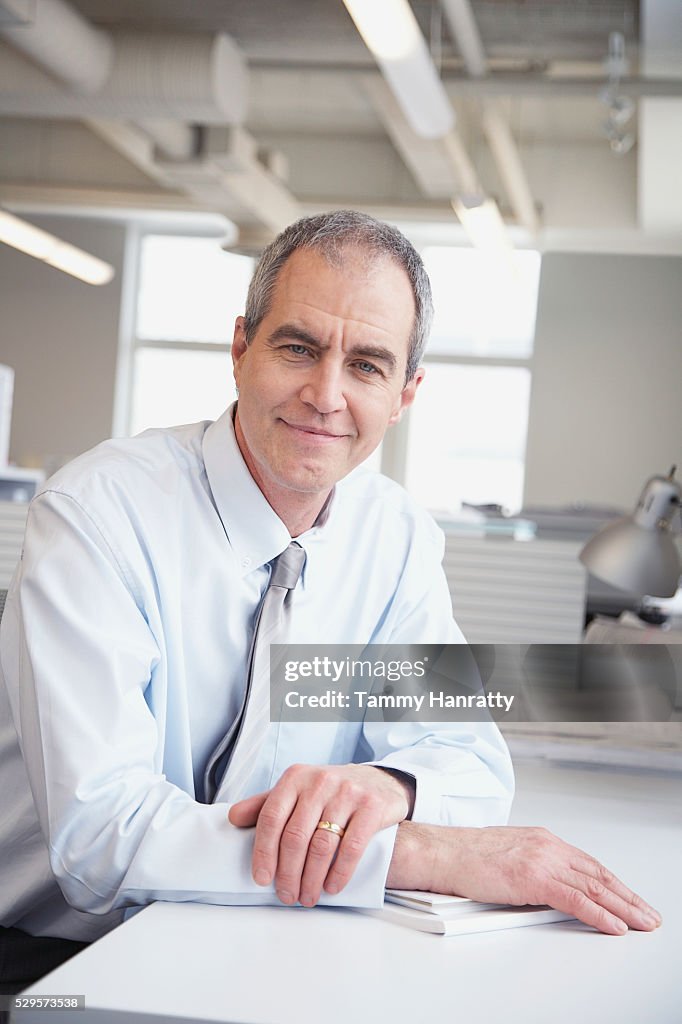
(285, 966)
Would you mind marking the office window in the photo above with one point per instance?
(189, 293)
(176, 385)
(485, 305)
(467, 429)
(467, 436)
(190, 290)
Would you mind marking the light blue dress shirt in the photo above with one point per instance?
(123, 652)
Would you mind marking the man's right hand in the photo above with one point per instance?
(516, 866)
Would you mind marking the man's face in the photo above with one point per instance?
(323, 377)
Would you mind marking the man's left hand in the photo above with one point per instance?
(290, 848)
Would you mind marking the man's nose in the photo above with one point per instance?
(323, 388)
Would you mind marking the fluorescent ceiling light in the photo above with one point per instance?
(46, 247)
(390, 31)
(481, 219)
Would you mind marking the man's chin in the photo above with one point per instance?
(310, 483)
(311, 478)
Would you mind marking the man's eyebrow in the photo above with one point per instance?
(293, 332)
(378, 352)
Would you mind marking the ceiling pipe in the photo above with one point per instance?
(64, 43)
(154, 80)
(465, 173)
(201, 79)
(506, 77)
(508, 160)
(462, 24)
(463, 27)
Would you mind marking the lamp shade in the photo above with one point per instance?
(638, 553)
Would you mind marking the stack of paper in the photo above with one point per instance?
(455, 915)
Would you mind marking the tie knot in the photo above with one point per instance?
(286, 568)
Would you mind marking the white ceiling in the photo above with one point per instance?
(321, 32)
(313, 136)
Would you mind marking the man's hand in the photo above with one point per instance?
(291, 849)
(517, 866)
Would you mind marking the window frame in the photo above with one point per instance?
(395, 449)
(129, 341)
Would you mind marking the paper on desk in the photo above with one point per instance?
(437, 903)
(456, 915)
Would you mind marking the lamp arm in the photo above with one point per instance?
(658, 503)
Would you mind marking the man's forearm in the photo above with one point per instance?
(413, 865)
(516, 866)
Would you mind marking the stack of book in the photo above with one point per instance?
(456, 915)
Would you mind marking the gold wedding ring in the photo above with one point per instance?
(331, 826)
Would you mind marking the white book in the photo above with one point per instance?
(456, 915)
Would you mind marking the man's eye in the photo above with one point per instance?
(366, 367)
(298, 350)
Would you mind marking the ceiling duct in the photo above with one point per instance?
(150, 96)
(61, 41)
(191, 77)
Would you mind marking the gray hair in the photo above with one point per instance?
(331, 234)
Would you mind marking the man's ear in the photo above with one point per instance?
(239, 346)
(407, 396)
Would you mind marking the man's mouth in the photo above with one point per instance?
(314, 433)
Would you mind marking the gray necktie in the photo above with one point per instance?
(233, 759)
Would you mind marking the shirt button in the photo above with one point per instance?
(246, 562)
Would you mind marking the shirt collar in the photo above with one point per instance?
(254, 530)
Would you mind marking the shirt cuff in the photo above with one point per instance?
(428, 797)
(366, 887)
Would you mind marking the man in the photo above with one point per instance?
(126, 642)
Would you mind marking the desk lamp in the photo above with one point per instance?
(637, 552)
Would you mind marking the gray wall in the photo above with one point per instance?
(61, 338)
(606, 400)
